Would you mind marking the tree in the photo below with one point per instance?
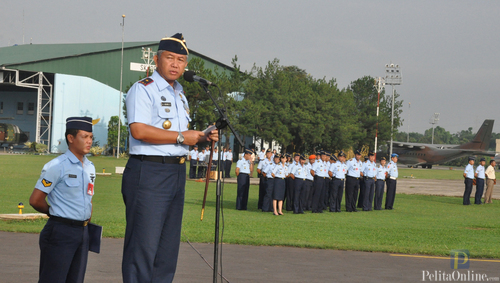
(113, 134)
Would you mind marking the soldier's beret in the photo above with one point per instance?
(175, 43)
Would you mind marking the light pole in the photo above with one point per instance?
(393, 77)
(120, 98)
(379, 85)
(434, 119)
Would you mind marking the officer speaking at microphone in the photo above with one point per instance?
(68, 184)
(154, 179)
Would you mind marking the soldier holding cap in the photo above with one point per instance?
(67, 182)
(479, 181)
(379, 184)
(392, 173)
(154, 179)
(243, 169)
(468, 180)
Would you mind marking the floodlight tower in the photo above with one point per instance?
(120, 98)
(393, 77)
(433, 120)
(379, 85)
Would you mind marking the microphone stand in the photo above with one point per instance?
(220, 124)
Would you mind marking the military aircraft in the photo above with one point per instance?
(425, 155)
(10, 134)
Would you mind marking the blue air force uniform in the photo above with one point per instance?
(280, 172)
(193, 163)
(469, 177)
(308, 189)
(243, 181)
(64, 241)
(479, 183)
(267, 203)
(153, 184)
(300, 174)
(262, 181)
(379, 186)
(338, 170)
(369, 174)
(352, 184)
(392, 173)
(321, 179)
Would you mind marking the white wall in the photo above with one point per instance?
(81, 96)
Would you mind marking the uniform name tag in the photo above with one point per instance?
(72, 176)
(90, 189)
(166, 104)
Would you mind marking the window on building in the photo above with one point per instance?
(31, 108)
(20, 108)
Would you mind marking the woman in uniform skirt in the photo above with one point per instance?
(280, 172)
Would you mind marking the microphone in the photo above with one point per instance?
(191, 76)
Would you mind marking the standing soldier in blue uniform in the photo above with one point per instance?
(369, 175)
(307, 195)
(229, 163)
(263, 179)
(337, 171)
(299, 175)
(193, 162)
(290, 186)
(379, 184)
(352, 182)
(361, 197)
(267, 203)
(67, 182)
(201, 163)
(279, 173)
(469, 178)
(154, 179)
(243, 168)
(392, 174)
(480, 176)
(321, 177)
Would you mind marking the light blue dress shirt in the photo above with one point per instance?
(320, 168)
(338, 170)
(369, 169)
(480, 172)
(469, 171)
(354, 168)
(269, 170)
(381, 170)
(153, 104)
(308, 169)
(280, 171)
(244, 166)
(392, 170)
(299, 171)
(66, 182)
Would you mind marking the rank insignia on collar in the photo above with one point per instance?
(46, 183)
(146, 81)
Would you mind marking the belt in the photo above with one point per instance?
(369, 177)
(320, 177)
(352, 177)
(338, 179)
(309, 180)
(480, 178)
(69, 221)
(161, 159)
(244, 173)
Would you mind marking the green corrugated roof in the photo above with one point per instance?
(20, 54)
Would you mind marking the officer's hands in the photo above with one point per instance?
(192, 137)
(213, 135)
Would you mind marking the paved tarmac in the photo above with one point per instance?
(19, 255)
(19, 258)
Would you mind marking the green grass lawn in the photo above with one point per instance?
(430, 225)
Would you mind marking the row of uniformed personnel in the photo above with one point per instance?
(199, 159)
(319, 184)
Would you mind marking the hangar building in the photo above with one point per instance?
(43, 84)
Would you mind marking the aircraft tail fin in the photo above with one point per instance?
(482, 139)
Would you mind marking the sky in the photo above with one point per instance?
(448, 50)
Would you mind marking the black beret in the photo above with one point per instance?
(79, 123)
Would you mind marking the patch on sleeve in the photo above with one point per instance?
(146, 81)
(46, 183)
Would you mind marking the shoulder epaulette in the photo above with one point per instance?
(146, 81)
